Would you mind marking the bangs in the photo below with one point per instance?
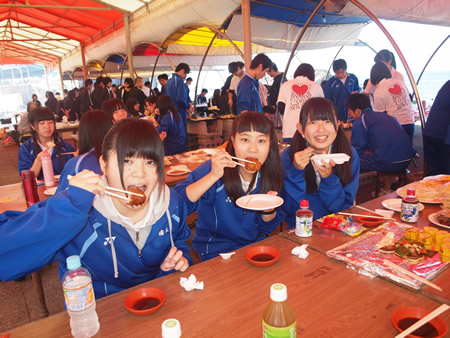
(41, 114)
(252, 121)
(318, 108)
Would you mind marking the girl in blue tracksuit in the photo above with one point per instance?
(171, 124)
(43, 131)
(213, 188)
(94, 126)
(121, 245)
(328, 187)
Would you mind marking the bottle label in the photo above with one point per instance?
(303, 226)
(80, 298)
(279, 332)
(409, 212)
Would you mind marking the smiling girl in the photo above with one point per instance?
(44, 141)
(121, 245)
(328, 187)
(213, 188)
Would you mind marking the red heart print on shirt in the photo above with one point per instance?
(395, 90)
(300, 90)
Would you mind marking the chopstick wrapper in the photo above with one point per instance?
(300, 251)
(191, 283)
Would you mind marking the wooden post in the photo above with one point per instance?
(247, 33)
(126, 20)
(61, 76)
(83, 60)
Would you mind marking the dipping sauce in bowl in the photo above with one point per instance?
(369, 221)
(145, 301)
(406, 316)
(262, 255)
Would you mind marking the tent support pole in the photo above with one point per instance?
(200, 69)
(432, 55)
(405, 64)
(154, 67)
(245, 5)
(83, 60)
(294, 48)
(61, 75)
(46, 77)
(126, 20)
(170, 61)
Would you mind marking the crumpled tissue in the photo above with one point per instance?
(385, 213)
(191, 283)
(300, 251)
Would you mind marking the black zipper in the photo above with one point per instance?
(137, 240)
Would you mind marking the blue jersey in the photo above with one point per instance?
(221, 225)
(338, 93)
(248, 95)
(67, 224)
(178, 92)
(330, 197)
(77, 164)
(27, 156)
(175, 142)
(380, 138)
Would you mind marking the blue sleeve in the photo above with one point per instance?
(181, 94)
(26, 156)
(244, 95)
(360, 139)
(268, 227)
(180, 231)
(164, 123)
(31, 239)
(194, 176)
(294, 186)
(356, 84)
(333, 195)
(327, 90)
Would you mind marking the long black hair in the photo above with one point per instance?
(43, 114)
(319, 108)
(165, 105)
(271, 175)
(94, 125)
(134, 137)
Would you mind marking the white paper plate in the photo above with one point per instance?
(259, 202)
(433, 219)
(50, 191)
(337, 158)
(201, 152)
(396, 204)
(177, 172)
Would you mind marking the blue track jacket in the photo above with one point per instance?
(175, 142)
(248, 95)
(176, 89)
(338, 93)
(27, 156)
(77, 164)
(67, 224)
(332, 196)
(221, 225)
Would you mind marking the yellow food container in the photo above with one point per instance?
(440, 235)
(425, 239)
(432, 231)
(445, 249)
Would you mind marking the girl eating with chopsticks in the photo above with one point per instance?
(329, 187)
(213, 188)
(44, 142)
(122, 244)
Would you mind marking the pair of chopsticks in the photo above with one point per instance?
(241, 159)
(424, 320)
(107, 192)
(70, 153)
(410, 274)
(365, 216)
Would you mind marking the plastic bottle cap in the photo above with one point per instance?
(278, 292)
(304, 204)
(73, 262)
(411, 192)
(171, 328)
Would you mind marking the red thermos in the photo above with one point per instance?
(30, 187)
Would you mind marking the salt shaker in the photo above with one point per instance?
(30, 187)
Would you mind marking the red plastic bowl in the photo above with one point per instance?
(145, 301)
(368, 221)
(418, 313)
(262, 255)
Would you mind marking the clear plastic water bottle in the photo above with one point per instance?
(80, 299)
(304, 220)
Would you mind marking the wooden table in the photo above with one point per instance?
(16, 192)
(324, 239)
(329, 300)
(171, 181)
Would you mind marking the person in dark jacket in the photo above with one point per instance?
(100, 94)
(52, 102)
(85, 97)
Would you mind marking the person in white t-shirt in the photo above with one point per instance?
(388, 59)
(391, 96)
(237, 76)
(293, 94)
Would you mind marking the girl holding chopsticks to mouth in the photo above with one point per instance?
(328, 187)
(122, 245)
(213, 188)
